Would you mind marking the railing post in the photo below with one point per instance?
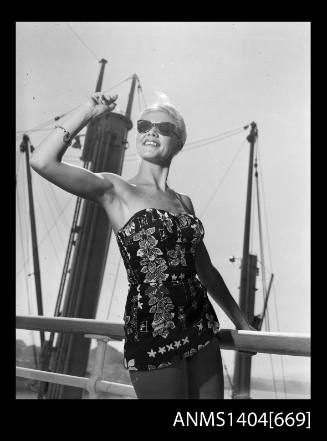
(97, 372)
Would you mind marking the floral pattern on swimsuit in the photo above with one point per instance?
(167, 311)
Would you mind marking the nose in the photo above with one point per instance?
(154, 131)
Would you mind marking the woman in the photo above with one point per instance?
(171, 348)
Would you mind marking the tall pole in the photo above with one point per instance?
(25, 147)
(98, 87)
(130, 98)
(242, 369)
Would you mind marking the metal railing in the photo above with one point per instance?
(259, 342)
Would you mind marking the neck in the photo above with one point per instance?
(153, 175)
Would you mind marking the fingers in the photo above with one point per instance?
(105, 99)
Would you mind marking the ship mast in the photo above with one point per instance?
(242, 366)
(26, 148)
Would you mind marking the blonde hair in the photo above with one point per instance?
(163, 103)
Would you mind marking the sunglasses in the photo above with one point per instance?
(164, 128)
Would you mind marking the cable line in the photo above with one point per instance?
(82, 41)
(270, 261)
(222, 179)
(56, 118)
(50, 186)
(227, 374)
(227, 132)
(114, 288)
(44, 217)
(45, 236)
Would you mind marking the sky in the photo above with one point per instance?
(220, 76)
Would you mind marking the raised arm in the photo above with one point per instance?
(46, 159)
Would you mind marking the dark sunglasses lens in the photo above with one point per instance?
(143, 126)
(166, 128)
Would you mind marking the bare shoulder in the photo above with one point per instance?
(187, 202)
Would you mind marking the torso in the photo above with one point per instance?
(132, 197)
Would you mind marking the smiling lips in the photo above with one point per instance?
(153, 143)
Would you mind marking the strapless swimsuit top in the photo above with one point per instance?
(159, 246)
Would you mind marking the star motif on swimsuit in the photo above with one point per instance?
(185, 340)
(152, 353)
(200, 326)
(162, 350)
(177, 344)
(170, 347)
(139, 305)
(182, 276)
(174, 277)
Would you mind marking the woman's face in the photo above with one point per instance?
(152, 145)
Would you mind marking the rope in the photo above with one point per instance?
(50, 186)
(227, 374)
(227, 132)
(53, 213)
(56, 118)
(47, 229)
(44, 237)
(114, 288)
(82, 41)
(222, 180)
(270, 263)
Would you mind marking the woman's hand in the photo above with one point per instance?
(101, 102)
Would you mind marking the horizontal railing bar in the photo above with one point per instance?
(80, 382)
(262, 342)
(51, 377)
(71, 325)
(266, 342)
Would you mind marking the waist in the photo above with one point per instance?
(178, 280)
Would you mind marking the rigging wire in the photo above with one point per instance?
(44, 124)
(46, 227)
(222, 179)
(82, 41)
(227, 374)
(114, 288)
(56, 118)
(50, 186)
(270, 263)
(45, 236)
(227, 132)
(262, 255)
(53, 211)
(263, 267)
